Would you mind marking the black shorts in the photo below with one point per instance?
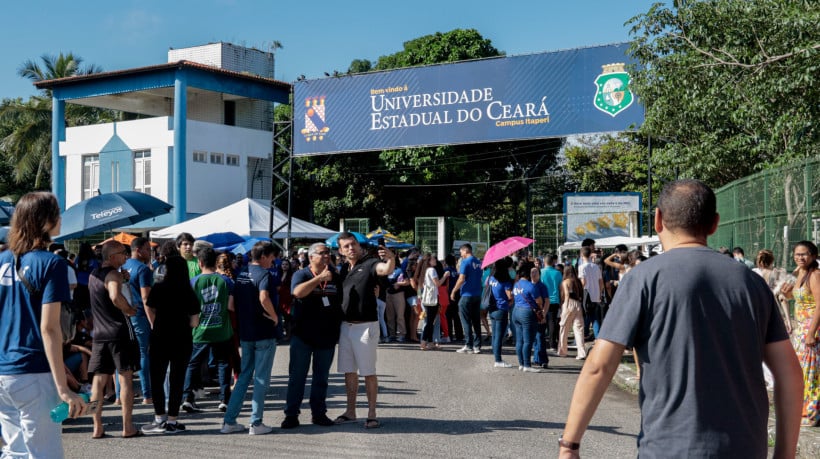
(114, 355)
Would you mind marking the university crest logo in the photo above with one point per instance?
(315, 126)
(613, 95)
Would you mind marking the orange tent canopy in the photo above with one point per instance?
(125, 238)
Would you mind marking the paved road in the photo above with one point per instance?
(436, 403)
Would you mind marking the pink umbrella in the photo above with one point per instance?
(504, 248)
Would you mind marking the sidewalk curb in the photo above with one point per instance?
(808, 444)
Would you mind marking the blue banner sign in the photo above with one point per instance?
(555, 94)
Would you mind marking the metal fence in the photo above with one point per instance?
(771, 210)
(548, 232)
(359, 225)
(455, 229)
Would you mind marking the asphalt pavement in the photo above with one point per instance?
(431, 404)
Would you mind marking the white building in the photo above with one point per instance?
(212, 102)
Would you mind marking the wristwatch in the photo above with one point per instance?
(569, 445)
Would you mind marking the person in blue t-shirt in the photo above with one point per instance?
(33, 286)
(539, 349)
(525, 320)
(258, 331)
(551, 277)
(502, 285)
(469, 306)
(140, 281)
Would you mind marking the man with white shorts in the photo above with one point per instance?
(359, 337)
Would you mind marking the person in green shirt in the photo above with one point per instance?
(185, 245)
(214, 332)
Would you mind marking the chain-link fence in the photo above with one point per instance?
(548, 232)
(359, 225)
(771, 210)
(456, 230)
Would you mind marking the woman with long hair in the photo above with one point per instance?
(428, 279)
(285, 295)
(528, 305)
(176, 313)
(225, 263)
(86, 262)
(33, 286)
(774, 277)
(806, 293)
(571, 293)
(502, 289)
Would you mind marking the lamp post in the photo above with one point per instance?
(649, 183)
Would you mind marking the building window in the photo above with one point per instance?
(91, 175)
(230, 113)
(232, 160)
(217, 158)
(142, 171)
(200, 157)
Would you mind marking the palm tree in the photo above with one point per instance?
(25, 127)
(27, 147)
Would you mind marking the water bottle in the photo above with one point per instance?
(60, 412)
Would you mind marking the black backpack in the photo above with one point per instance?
(488, 302)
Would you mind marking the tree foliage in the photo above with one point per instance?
(25, 126)
(730, 86)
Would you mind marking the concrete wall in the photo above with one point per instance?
(209, 186)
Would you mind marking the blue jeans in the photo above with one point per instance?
(257, 361)
(469, 308)
(143, 331)
(382, 306)
(525, 323)
(300, 361)
(592, 315)
(25, 403)
(539, 348)
(499, 318)
(200, 352)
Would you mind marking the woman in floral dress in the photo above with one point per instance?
(806, 294)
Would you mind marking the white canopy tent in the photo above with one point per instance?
(248, 218)
(649, 242)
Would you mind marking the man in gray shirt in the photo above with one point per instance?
(701, 325)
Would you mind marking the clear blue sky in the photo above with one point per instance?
(317, 36)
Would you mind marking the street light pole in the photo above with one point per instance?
(650, 223)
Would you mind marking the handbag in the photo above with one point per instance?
(429, 295)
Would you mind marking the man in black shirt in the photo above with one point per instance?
(359, 335)
(115, 344)
(316, 315)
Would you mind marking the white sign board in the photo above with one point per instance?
(600, 215)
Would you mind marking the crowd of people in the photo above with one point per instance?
(182, 316)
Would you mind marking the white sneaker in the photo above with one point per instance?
(532, 370)
(260, 429)
(198, 393)
(476, 350)
(223, 407)
(465, 350)
(231, 428)
(502, 364)
(520, 368)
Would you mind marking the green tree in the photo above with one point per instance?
(455, 45)
(360, 66)
(729, 85)
(25, 127)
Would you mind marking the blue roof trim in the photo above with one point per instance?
(164, 78)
